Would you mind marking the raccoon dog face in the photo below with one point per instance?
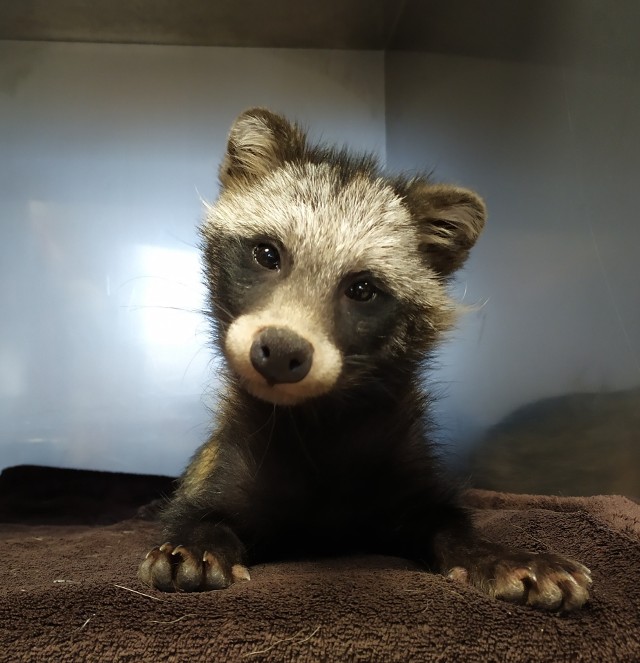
(323, 273)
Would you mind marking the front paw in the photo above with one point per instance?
(545, 581)
(177, 568)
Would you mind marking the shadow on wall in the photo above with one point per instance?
(578, 444)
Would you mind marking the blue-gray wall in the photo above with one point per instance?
(555, 151)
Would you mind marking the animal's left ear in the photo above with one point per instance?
(449, 221)
(260, 141)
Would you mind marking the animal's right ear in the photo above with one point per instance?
(449, 220)
(259, 142)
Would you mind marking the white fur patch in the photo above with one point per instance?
(325, 367)
(331, 229)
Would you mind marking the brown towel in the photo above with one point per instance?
(69, 590)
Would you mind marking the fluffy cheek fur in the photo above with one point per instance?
(325, 368)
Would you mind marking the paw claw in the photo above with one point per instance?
(545, 581)
(575, 594)
(512, 585)
(547, 595)
(215, 575)
(151, 552)
(240, 573)
(178, 568)
(156, 570)
(458, 574)
(188, 570)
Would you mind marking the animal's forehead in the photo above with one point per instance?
(346, 226)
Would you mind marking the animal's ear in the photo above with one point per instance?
(449, 221)
(259, 141)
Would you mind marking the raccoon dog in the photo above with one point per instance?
(328, 293)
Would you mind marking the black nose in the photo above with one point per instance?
(280, 355)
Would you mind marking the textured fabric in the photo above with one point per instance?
(69, 592)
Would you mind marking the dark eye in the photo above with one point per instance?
(267, 256)
(361, 291)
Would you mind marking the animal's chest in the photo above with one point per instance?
(316, 500)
